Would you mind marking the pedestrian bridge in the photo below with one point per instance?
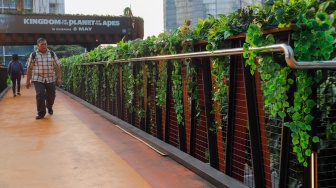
(79, 147)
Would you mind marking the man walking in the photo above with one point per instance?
(41, 67)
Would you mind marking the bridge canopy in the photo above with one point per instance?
(88, 31)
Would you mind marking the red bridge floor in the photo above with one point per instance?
(77, 147)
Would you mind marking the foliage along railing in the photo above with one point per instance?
(139, 108)
(288, 95)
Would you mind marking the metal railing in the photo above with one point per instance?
(288, 52)
(255, 176)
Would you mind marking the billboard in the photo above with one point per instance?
(63, 24)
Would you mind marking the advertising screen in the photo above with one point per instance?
(63, 24)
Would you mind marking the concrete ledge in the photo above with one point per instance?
(205, 171)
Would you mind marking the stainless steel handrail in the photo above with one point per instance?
(288, 52)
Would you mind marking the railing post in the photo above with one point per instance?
(254, 128)
(212, 137)
(193, 121)
(286, 140)
(147, 103)
(181, 126)
(312, 171)
(230, 119)
(168, 99)
(100, 102)
(158, 110)
(131, 115)
(120, 100)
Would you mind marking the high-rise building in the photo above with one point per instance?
(28, 6)
(48, 6)
(33, 6)
(177, 11)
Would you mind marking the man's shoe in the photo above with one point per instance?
(14, 95)
(18, 93)
(39, 117)
(50, 111)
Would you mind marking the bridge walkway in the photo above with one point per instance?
(77, 147)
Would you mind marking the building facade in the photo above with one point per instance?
(28, 6)
(177, 11)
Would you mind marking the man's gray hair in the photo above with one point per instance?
(40, 40)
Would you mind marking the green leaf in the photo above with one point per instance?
(287, 124)
(295, 135)
(209, 47)
(273, 112)
(296, 149)
(301, 159)
(310, 103)
(306, 110)
(290, 110)
(308, 118)
(330, 39)
(308, 152)
(245, 47)
(296, 116)
(304, 145)
(308, 91)
(290, 81)
(282, 114)
(321, 15)
(316, 139)
(281, 25)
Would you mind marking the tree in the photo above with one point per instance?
(64, 51)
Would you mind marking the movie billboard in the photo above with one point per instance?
(63, 24)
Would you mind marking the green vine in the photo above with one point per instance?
(128, 85)
(274, 88)
(192, 87)
(177, 91)
(160, 97)
(312, 43)
(220, 70)
(94, 82)
(87, 83)
(140, 81)
(112, 73)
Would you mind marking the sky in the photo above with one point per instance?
(150, 10)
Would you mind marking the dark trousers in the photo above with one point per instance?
(15, 82)
(45, 96)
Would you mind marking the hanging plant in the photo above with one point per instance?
(128, 85)
(312, 43)
(140, 82)
(112, 73)
(220, 70)
(160, 97)
(178, 91)
(94, 82)
(192, 87)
